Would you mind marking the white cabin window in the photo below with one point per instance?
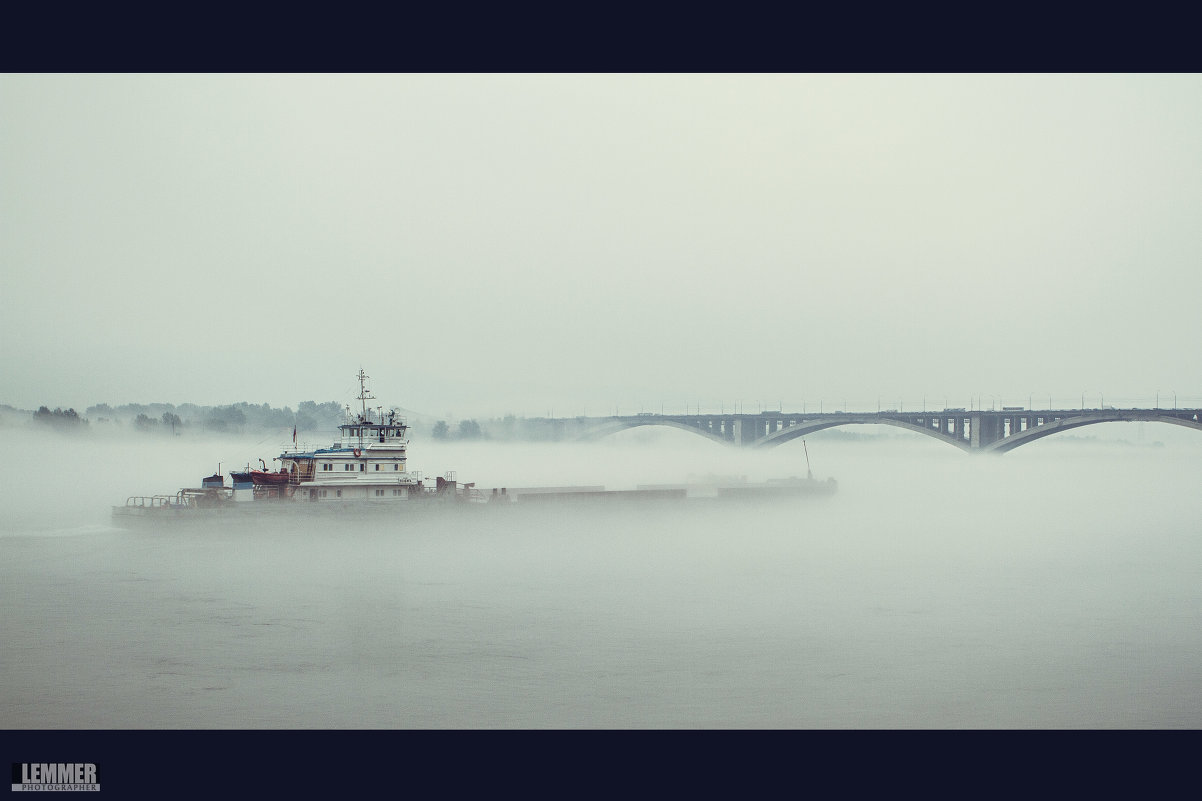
(377, 467)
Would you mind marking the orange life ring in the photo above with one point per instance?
(358, 453)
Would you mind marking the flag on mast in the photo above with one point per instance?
(294, 435)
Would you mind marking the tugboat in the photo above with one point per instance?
(366, 465)
(368, 462)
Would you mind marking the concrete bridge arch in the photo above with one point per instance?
(805, 429)
(616, 425)
(1013, 441)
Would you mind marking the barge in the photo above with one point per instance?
(366, 468)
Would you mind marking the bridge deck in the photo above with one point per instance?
(979, 431)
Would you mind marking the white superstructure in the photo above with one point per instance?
(368, 462)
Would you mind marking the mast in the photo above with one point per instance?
(363, 396)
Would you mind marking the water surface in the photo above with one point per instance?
(1057, 586)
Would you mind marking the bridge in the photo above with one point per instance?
(972, 431)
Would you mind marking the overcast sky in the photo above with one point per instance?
(483, 244)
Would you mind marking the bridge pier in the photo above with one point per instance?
(986, 430)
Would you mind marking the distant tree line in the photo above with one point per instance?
(59, 418)
(508, 427)
(468, 429)
(310, 417)
(170, 423)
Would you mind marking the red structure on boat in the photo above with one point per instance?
(264, 479)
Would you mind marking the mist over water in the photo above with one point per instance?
(1056, 586)
(560, 245)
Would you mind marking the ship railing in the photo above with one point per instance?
(155, 501)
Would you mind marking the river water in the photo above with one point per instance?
(1056, 586)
